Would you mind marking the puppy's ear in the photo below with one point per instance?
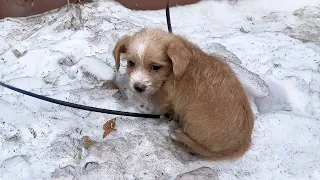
(121, 47)
(180, 55)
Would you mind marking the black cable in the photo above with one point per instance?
(88, 108)
(77, 106)
(168, 17)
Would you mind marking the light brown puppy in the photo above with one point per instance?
(215, 117)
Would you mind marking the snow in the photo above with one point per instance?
(273, 46)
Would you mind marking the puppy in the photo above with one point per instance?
(215, 117)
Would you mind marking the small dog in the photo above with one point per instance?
(215, 117)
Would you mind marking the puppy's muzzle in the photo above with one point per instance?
(139, 87)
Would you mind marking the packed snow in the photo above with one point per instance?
(273, 46)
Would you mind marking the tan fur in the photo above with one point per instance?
(215, 117)
(120, 48)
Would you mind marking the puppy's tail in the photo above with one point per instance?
(197, 149)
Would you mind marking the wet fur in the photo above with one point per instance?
(215, 117)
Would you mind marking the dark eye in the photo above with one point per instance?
(155, 67)
(131, 63)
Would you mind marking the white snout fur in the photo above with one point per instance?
(140, 77)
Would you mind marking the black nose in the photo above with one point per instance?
(139, 87)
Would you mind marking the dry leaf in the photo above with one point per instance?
(87, 142)
(108, 127)
(110, 85)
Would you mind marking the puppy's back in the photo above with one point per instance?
(214, 110)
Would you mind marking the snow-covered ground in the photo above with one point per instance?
(273, 45)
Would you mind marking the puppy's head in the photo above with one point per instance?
(152, 56)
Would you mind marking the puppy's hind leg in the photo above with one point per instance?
(191, 146)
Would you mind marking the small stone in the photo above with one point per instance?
(203, 173)
(90, 166)
(15, 138)
(33, 132)
(19, 52)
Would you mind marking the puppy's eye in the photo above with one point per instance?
(155, 67)
(131, 63)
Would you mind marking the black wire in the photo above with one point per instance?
(88, 108)
(77, 106)
(168, 17)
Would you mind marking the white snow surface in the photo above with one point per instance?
(273, 46)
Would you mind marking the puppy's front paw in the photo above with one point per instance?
(173, 134)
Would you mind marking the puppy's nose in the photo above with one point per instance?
(139, 87)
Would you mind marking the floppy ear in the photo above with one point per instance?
(180, 56)
(121, 47)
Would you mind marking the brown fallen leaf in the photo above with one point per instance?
(109, 84)
(87, 142)
(108, 127)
